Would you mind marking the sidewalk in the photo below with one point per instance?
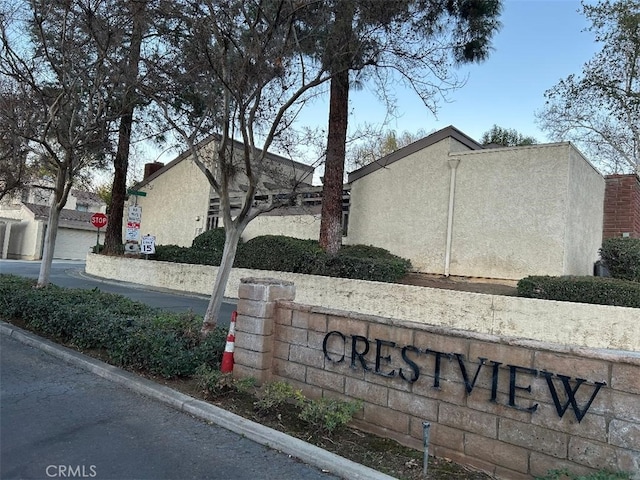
(309, 454)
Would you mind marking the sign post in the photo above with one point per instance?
(99, 220)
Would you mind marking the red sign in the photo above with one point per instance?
(99, 220)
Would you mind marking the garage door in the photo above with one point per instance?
(74, 244)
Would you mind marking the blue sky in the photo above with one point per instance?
(540, 42)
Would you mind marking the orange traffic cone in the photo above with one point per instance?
(227, 356)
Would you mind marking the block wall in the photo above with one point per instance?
(514, 409)
(622, 206)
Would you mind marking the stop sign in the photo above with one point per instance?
(99, 220)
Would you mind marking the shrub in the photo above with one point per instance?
(214, 382)
(276, 394)
(133, 334)
(177, 254)
(327, 414)
(622, 257)
(362, 268)
(277, 252)
(211, 240)
(365, 251)
(604, 291)
(287, 254)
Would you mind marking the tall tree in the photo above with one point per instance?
(507, 137)
(135, 22)
(49, 54)
(599, 110)
(237, 68)
(418, 40)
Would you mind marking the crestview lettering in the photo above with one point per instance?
(410, 371)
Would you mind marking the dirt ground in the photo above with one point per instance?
(381, 454)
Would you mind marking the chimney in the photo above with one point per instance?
(151, 168)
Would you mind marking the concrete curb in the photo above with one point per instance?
(305, 452)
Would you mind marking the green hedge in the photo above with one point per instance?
(278, 253)
(132, 334)
(621, 256)
(174, 253)
(288, 254)
(211, 240)
(599, 290)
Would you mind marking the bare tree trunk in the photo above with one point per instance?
(331, 215)
(232, 237)
(113, 235)
(49, 245)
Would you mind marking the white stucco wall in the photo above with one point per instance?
(298, 226)
(176, 205)
(509, 217)
(585, 215)
(25, 239)
(517, 211)
(403, 207)
(571, 324)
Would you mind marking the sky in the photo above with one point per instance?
(540, 42)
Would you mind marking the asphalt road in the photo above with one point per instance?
(60, 421)
(68, 273)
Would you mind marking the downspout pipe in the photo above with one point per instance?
(453, 167)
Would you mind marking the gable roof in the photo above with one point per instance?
(416, 146)
(236, 144)
(66, 215)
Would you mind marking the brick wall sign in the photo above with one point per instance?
(511, 407)
(375, 356)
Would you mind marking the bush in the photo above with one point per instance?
(211, 240)
(287, 254)
(214, 382)
(176, 254)
(276, 394)
(279, 253)
(604, 291)
(133, 335)
(327, 414)
(622, 257)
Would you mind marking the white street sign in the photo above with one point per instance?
(148, 245)
(133, 234)
(135, 213)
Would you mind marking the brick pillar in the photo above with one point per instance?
(254, 343)
(622, 206)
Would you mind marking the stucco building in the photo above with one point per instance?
(445, 202)
(23, 222)
(179, 203)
